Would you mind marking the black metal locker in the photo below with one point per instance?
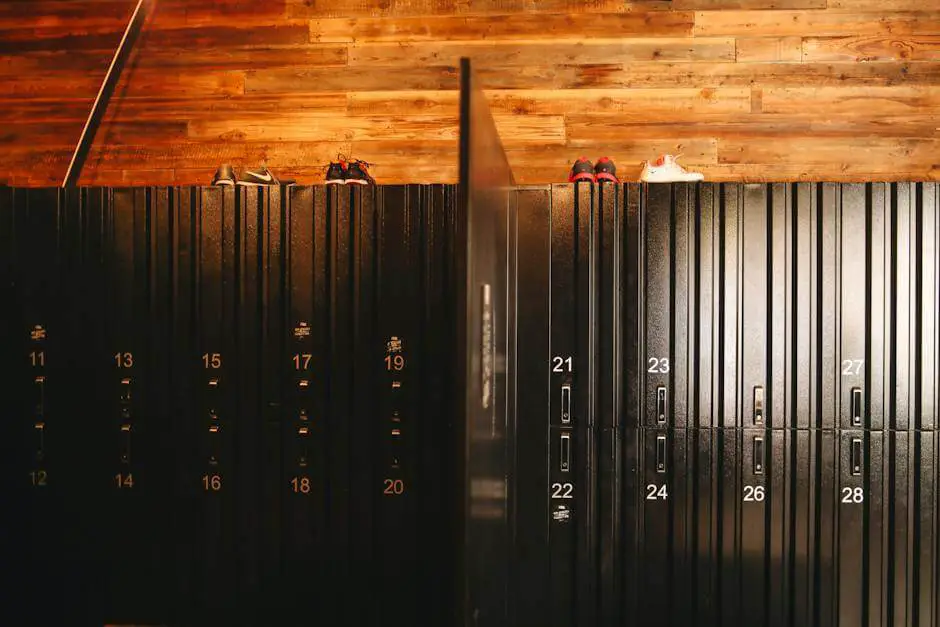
(568, 368)
(535, 384)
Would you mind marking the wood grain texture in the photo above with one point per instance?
(747, 90)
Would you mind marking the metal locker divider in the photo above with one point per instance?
(535, 384)
(729, 303)
(567, 368)
(805, 286)
(364, 423)
(903, 338)
(656, 309)
(879, 384)
(275, 334)
(928, 529)
(631, 490)
(399, 349)
(582, 460)
(780, 398)
(248, 301)
(827, 539)
(828, 272)
(805, 511)
(609, 406)
(301, 365)
(704, 517)
(334, 291)
(902, 568)
(778, 507)
(859, 492)
(729, 501)
(928, 344)
(707, 379)
(681, 302)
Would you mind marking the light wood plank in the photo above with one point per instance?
(584, 129)
(642, 102)
(404, 8)
(825, 102)
(331, 128)
(813, 23)
(872, 48)
(713, 5)
(832, 153)
(524, 53)
(512, 27)
(769, 49)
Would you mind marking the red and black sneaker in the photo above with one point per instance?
(605, 170)
(582, 170)
(336, 173)
(358, 173)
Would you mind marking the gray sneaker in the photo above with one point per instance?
(225, 175)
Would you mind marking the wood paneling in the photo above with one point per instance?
(744, 89)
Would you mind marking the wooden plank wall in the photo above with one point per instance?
(744, 89)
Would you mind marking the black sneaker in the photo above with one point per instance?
(582, 170)
(259, 177)
(605, 170)
(358, 174)
(336, 173)
(225, 175)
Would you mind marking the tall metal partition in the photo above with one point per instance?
(487, 337)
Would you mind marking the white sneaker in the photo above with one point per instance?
(666, 170)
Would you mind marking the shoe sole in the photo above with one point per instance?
(583, 176)
(606, 177)
(654, 179)
(357, 182)
(335, 182)
(223, 184)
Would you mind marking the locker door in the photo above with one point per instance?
(804, 455)
(657, 311)
(401, 358)
(301, 366)
(827, 482)
(756, 338)
(859, 480)
(658, 503)
(125, 450)
(756, 497)
(566, 370)
(853, 307)
(535, 384)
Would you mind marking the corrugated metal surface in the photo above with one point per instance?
(753, 384)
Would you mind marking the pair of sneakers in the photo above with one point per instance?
(344, 172)
(227, 176)
(584, 170)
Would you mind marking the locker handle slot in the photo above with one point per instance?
(661, 408)
(758, 405)
(660, 453)
(125, 390)
(565, 452)
(856, 407)
(39, 405)
(565, 404)
(758, 455)
(856, 456)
